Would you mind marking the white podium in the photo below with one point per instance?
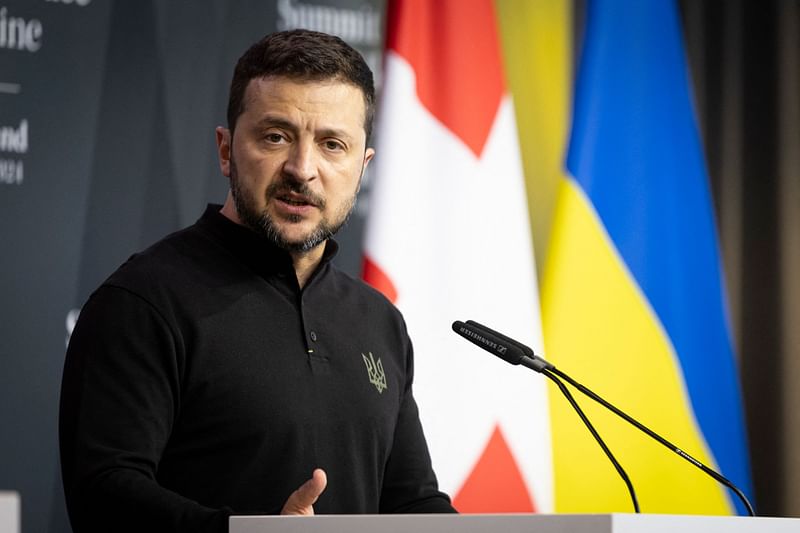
(518, 523)
(9, 512)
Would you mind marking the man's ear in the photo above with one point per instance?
(369, 153)
(224, 147)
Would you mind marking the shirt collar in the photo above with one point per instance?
(251, 248)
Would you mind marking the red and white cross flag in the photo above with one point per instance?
(448, 238)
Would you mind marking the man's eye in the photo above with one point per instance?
(334, 145)
(273, 137)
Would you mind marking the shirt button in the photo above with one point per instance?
(313, 336)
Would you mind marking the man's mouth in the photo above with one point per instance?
(296, 200)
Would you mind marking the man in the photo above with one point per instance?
(231, 368)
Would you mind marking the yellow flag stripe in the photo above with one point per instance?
(537, 54)
(592, 306)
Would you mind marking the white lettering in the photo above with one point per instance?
(12, 172)
(72, 319)
(356, 26)
(18, 34)
(79, 3)
(14, 139)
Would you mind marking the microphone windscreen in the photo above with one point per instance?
(506, 351)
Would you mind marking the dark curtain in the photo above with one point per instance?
(745, 61)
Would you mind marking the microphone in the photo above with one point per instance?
(498, 344)
(551, 372)
(517, 353)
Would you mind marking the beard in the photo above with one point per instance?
(260, 221)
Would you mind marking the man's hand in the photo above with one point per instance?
(302, 500)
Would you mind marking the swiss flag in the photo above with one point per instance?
(448, 239)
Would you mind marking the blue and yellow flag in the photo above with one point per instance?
(633, 298)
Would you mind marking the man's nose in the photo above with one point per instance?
(301, 162)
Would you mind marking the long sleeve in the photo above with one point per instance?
(410, 484)
(119, 399)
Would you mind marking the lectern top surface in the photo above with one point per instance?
(515, 523)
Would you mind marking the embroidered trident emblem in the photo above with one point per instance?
(375, 370)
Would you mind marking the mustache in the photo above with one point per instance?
(288, 186)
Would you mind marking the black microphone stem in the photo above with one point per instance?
(596, 436)
(654, 435)
(517, 353)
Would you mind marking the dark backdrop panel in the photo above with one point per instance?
(109, 108)
(53, 90)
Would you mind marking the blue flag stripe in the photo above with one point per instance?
(636, 152)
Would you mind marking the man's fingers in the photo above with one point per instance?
(302, 500)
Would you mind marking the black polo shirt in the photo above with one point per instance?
(201, 381)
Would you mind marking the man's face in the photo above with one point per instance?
(296, 159)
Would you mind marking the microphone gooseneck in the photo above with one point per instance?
(527, 358)
(621, 471)
(515, 353)
(675, 449)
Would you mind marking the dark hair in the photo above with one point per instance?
(302, 55)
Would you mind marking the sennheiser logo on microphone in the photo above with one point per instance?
(483, 340)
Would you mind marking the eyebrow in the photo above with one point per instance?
(271, 121)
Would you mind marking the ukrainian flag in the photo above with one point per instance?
(633, 298)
